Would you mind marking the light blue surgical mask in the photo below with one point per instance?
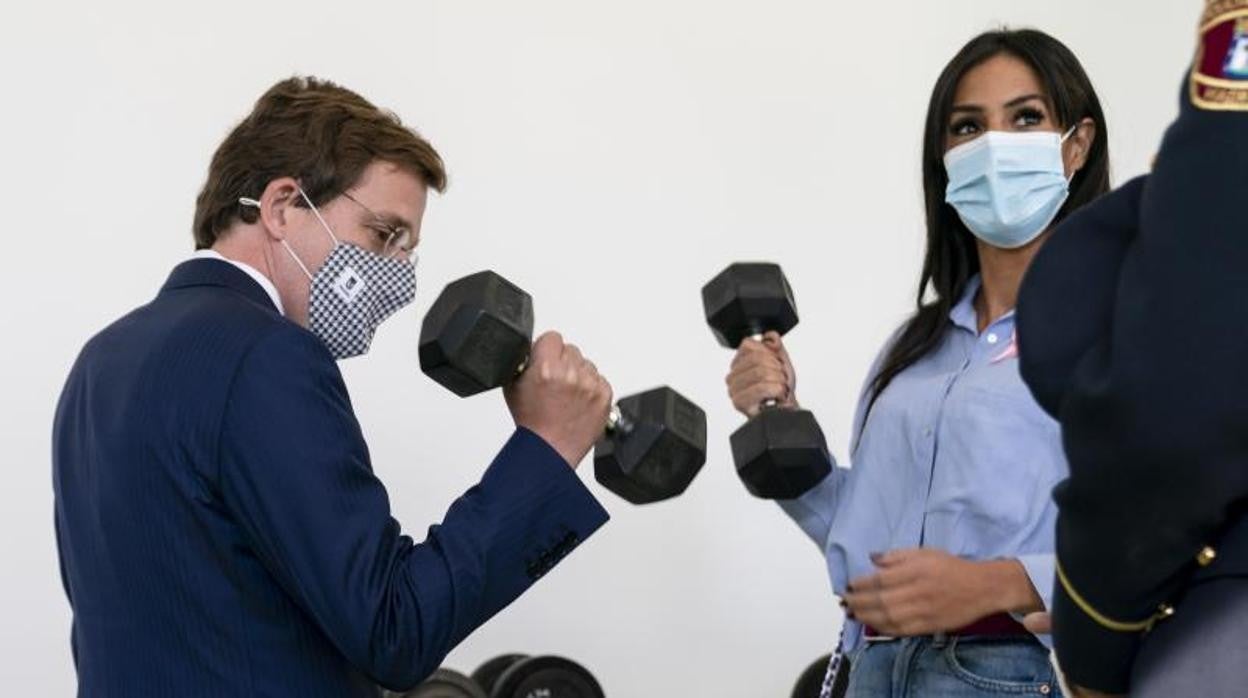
(1008, 187)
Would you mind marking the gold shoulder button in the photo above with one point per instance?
(1206, 556)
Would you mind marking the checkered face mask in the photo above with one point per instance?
(353, 292)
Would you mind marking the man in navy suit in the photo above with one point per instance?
(220, 528)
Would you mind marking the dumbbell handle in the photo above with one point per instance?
(769, 403)
(618, 422)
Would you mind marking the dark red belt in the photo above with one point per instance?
(1002, 624)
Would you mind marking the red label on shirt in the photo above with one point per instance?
(1011, 351)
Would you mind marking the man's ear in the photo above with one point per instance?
(276, 206)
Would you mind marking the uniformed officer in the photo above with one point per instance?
(1131, 333)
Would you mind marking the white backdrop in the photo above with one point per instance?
(608, 157)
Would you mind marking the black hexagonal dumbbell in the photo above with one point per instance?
(477, 336)
(521, 676)
(443, 683)
(663, 448)
(779, 453)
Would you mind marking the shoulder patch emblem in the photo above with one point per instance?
(1220, 72)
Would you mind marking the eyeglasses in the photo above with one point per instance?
(396, 240)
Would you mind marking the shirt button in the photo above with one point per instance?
(927, 432)
(992, 338)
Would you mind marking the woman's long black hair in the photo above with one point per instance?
(951, 259)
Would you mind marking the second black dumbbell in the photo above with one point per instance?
(510, 676)
(779, 453)
(522, 676)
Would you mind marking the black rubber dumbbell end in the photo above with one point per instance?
(781, 453)
(660, 455)
(747, 299)
(443, 683)
(477, 334)
(547, 677)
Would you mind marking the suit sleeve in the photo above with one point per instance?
(1153, 417)
(295, 474)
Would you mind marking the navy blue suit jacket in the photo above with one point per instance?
(220, 528)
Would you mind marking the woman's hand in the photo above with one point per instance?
(761, 371)
(923, 591)
(1040, 623)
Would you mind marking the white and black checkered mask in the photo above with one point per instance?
(353, 292)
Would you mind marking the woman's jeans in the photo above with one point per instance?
(949, 667)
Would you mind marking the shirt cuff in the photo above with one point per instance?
(1041, 570)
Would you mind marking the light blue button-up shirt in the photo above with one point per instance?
(954, 455)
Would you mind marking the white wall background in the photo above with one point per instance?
(610, 158)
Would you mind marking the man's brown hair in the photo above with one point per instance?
(319, 133)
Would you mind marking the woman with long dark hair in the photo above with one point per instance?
(941, 535)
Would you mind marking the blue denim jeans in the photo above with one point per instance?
(954, 667)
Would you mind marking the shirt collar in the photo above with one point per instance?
(251, 271)
(964, 315)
